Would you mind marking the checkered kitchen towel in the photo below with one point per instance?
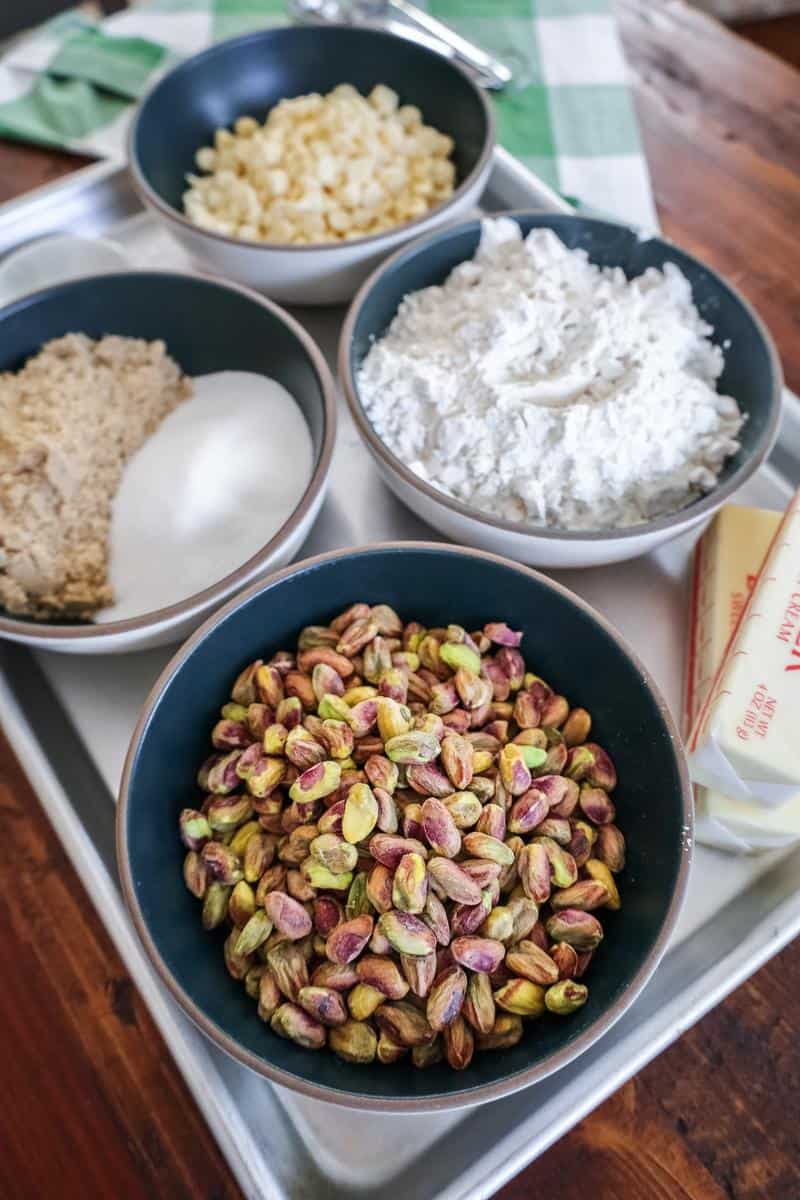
(568, 115)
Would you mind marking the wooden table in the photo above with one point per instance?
(92, 1105)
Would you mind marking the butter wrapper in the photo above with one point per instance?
(745, 741)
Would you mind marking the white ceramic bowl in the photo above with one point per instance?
(249, 75)
(228, 328)
(54, 259)
(752, 376)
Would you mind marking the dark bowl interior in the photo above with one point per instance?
(563, 641)
(206, 326)
(250, 74)
(752, 373)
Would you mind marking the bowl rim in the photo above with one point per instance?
(438, 1101)
(31, 631)
(704, 506)
(408, 228)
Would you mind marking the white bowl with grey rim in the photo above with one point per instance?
(752, 375)
(249, 75)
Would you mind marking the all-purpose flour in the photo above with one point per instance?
(538, 387)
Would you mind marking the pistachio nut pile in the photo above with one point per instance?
(409, 838)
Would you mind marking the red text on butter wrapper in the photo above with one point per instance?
(789, 632)
(758, 714)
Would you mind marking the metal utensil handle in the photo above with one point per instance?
(471, 54)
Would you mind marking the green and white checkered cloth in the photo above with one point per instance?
(568, 114)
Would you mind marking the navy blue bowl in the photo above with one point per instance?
(250, 74)
(566, 642)
(207, 325)
(752, 373)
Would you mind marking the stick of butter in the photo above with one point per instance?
(744, 742)
(727, 560)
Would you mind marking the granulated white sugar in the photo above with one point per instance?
(208, 489)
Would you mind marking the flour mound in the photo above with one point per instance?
(540, 388)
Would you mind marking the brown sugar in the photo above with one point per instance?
(69, 421)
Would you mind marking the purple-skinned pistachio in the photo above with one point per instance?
(230, 735)
(512, 664)
(302, 749)
(444, 697)
(244, 689)
(317, 782)
(393, 684)
(579, 845)
(446, 997)
(356, 636)
(527, 712)
(535, 872)
(331, 819)
(610, 847)
(291, 1022)
(451, 881)
(555, 711)
(478, 954)
(566, 997)
(387, 821)
(428, 780)
(407, 933)
(501, 634)
(529, 961)
(287, 915)
(597, 805)
(566, 959)
(577, 928)
(557, 828)
(195, 829)
(514, 772)
(492, 821)
(457, 758)
(419, 972)
(576, 727)
(326, 681)
(388, 849)
(324, 1004)
(348, 939)
(222, 778)
(382, 973)
(562, 864)
(526, 915)
(434, 915)
(381, 772)
(360, 813)
(528, 811)
(464, 807)
(289, 712)
(410, 884)
(483, 845)
(600, 873)
(440, 829)
(269, 686)
(327, 914)
(412, 821)
(459, 720)
(379, 888)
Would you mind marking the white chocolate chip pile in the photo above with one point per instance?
(321, 169)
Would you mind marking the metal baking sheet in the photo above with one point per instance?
(70, 718)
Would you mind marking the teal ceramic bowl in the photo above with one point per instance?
(565, 641)
(250, 75)
(207, 325)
